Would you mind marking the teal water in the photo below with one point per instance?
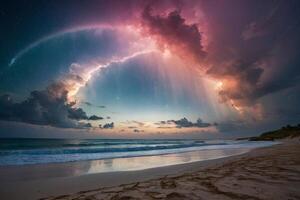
(39, 151)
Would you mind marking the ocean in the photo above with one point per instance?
(41, 151)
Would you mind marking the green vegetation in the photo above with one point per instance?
(285, 132)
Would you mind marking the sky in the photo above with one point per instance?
(148, 69)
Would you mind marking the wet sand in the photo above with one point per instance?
(265, 173)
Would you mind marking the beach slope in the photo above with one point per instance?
(265, 173)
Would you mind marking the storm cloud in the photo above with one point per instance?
(249, 54)
(107, 126)
(45, 107)
(173, 32)
(95, 117)
(254, 55)
(185, 123)
(226, 61)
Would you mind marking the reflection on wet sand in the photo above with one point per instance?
(146, 162)
(44, 171)
(266, 173)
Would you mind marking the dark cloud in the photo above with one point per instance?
(241, 80)
(95, 117)
(107, 126)
(263, 26)
(138, 131)
(86, 125)
(185, 123)
(244, 72)
(90, 104)
(173, 31)
(258, 53)
(77, 114)
(164, 122)
(45, 107)
(200, 123)
(253, 55)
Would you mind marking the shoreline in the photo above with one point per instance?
(132, 154)
(88, 167)
(36, 189)
(40, 188)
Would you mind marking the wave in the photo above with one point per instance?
(53, 151)
(10, 144)
(100, 150)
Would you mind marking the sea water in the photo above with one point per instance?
(40, 151)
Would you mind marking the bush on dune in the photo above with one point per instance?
(285, 132)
